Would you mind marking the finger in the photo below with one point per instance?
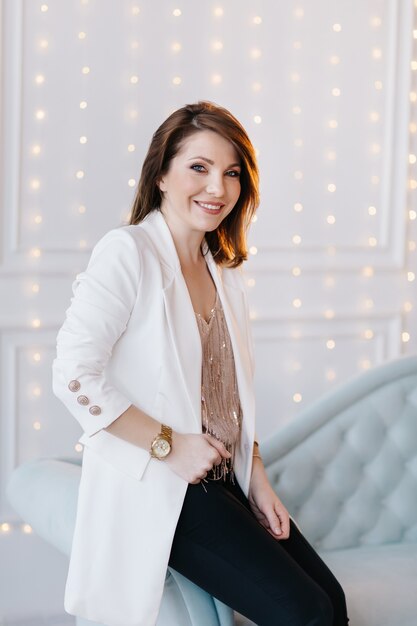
(219, 446)
(283, 518)
(274, 522)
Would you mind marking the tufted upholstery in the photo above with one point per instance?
(350, 474)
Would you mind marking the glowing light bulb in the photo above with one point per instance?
(253, 250)
(39, 79)
(378, 85)
(83, 139)
(298, 13)
(257, 119)
(412, 127)
(329, 314)
(365, 364)
(412, 183)
(405, 337)
(254, 218)
(135, 10)
(35, 288)
(27, 529)
(131, 182)
(36, 149)
(368, 271)
(251, 282)
(44, 43)
(81, 209)
(257, 20)
(83, 104)
(368, 333)
(297, 303)
(331, 219)
(80, 174)
(331, 187)
(298, 207)
(131, 147)
(330, 344)
(369, 303)
(177, 80)
(35, 184)
(256, 53)
(36, 357)
(297, 397)
(217, 45)
(134, 80)
(218, 12)
(36, 323)
(216, 79)
(85, 69)
(376, 22)
(44, 8)
(82, 243)
(40, 114)
(296, 240)
(5, 527)
(176, 12)
(372, 242)
(298, 175)
(296, 110)
(256, 86)
(377, 53)
(337, 28)
(411, 277)
(78, 447)
(330, 374)
(408, 306)
(82, 35)
(372, 210)
(412, 214)
(296, 271)
(333, 124)
(36, 425)
(176, 46)
(336, 92)
(375, 148)
(374, 116)
(411, 246)
(38, 219)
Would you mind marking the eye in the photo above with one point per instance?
(233, 173)
(197, 167)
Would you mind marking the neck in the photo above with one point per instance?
(187, 242)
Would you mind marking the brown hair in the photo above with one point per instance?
(228, 242)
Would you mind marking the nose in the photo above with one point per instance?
(215, 185)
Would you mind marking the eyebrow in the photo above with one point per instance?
(212, 162)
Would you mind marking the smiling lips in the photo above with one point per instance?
(213, 208)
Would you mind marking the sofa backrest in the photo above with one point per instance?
(347, 468)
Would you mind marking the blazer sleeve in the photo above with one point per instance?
(103, 298)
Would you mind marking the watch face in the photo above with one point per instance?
(161, 448)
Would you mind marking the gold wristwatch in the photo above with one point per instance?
(162, 444)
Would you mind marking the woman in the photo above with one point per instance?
(154, 360)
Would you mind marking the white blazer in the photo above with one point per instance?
(130, 336)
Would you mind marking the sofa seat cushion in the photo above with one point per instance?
(379, 582)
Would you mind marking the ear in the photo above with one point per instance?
(161, 184)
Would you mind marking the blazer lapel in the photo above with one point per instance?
(179, 312)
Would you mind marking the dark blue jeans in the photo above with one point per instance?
(220, 546)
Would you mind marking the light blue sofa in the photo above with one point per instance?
(346, 468)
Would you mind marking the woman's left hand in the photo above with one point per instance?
(265, 504)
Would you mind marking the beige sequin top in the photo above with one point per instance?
(220, 405)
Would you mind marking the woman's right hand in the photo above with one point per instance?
(194, 455)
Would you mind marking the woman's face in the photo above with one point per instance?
(202, 184)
